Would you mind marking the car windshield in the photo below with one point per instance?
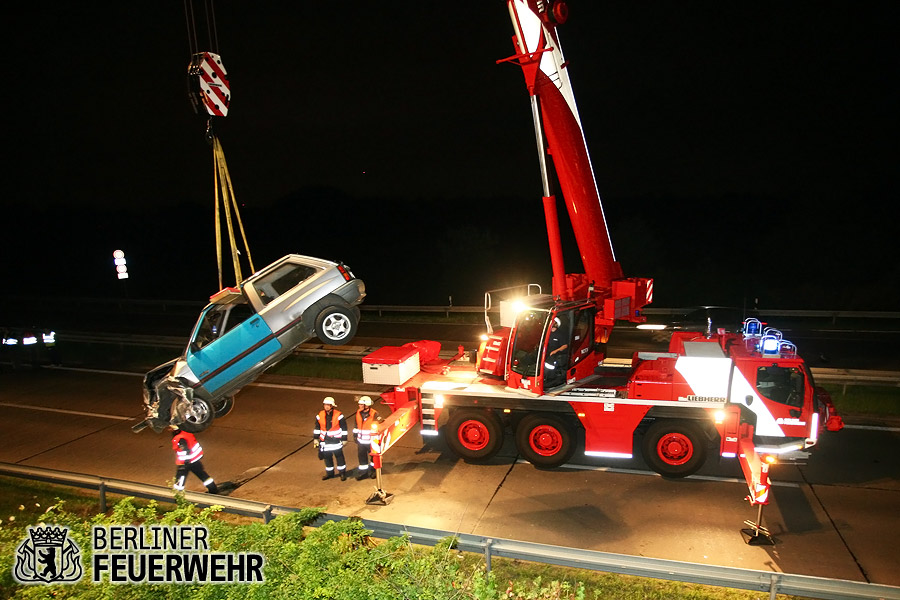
(281, 279)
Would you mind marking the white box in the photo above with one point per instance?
(390, 365)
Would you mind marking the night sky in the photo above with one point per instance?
(742, 150)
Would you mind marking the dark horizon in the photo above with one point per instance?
(740, 152)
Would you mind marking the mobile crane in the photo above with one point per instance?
(543, 372)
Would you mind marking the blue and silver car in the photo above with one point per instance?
(245, 330)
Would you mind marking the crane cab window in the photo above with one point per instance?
(526, 349)
(582, 336)
(784, 385)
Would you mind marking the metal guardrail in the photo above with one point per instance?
(840, 376)
(802, 313)
(656, 568)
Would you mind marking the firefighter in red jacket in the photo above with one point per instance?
(329, 436)
(366, 418)
(188, 453)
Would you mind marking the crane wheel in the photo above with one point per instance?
(674, 448)
(544, 440)
(474, 434)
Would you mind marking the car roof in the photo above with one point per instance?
(319, 263)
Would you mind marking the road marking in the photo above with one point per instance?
(67, 412)
(654, 474)
(100, 371)
(872, 428)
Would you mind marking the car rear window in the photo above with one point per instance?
(282, 279)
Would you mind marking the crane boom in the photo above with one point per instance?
(540, 55)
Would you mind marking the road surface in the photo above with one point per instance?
(835, 518)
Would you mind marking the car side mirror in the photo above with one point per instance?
(195, 347)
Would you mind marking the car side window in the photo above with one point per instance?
(210, 326)
(281, 280)
(237, 315)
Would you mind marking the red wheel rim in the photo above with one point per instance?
(545, 440)
(473, 435)
(675, 448)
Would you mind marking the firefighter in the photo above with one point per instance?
(188, 453)
(329, 436)
(557, 359)
(366, 417)
(48, 336)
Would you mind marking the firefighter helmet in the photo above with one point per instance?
(328, 400)
(365, 401)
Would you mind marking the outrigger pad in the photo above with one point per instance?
(757, 537)
(380, 498)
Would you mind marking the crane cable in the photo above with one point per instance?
(212, 32)
(222, 178)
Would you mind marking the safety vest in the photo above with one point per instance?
(331, 434)
(363, 431)
(193, 451)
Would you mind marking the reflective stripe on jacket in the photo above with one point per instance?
(190, 451)
(330, 434)
(364, 423)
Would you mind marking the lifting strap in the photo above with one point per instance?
(223, 186)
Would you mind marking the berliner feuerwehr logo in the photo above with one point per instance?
(47, 555)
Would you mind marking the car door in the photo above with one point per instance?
(221, 354)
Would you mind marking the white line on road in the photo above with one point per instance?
(68, 412)
(872, 428)
(652, 474)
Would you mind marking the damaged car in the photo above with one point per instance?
(245, 330)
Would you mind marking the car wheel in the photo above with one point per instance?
(474, 434)
(674, 448)
(198, 417)
(544, 440)
(336, 325)
(223, 406)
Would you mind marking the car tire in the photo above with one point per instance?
(544, 440)
(474, 434)
(199, 417)
(674, 448)
(336, 325)
(223, 406)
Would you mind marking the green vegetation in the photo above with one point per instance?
(337, 560)
(324, 367)
(867, 400)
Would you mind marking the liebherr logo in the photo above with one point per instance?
(47, 555)
(701, 399)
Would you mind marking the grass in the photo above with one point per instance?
(868, 400)
(24, 503)
(319, 366)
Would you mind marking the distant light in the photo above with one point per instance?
(120, 263)
(651, 326)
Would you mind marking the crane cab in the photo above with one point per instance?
(549, 346)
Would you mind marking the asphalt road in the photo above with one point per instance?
(835, 518)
